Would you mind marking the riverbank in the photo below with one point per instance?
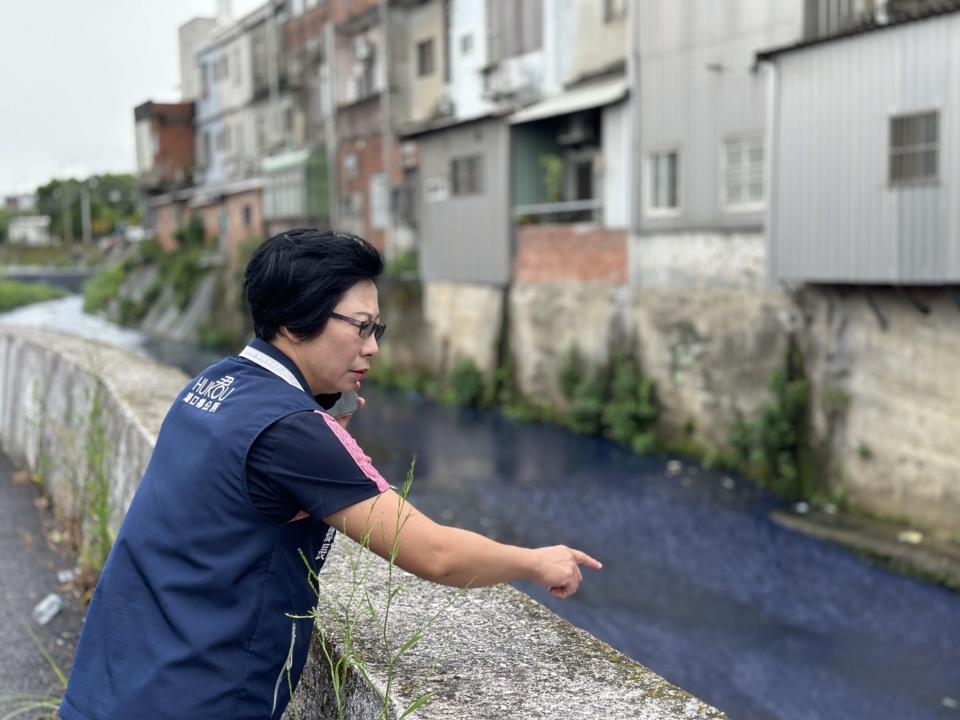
(892, 545)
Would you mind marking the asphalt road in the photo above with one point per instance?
(28, 571)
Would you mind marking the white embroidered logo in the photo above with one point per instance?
(325, 547)
(209, 395)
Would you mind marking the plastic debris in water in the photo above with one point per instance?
(912, 537)
(728, 483)
(801, 508)
(66, 576)
(951, 703)
(47, 609)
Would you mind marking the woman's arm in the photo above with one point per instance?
(455, 557)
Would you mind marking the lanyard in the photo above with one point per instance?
(268, 363)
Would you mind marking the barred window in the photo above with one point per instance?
(467, 175)
(743, 172)
(914, 148)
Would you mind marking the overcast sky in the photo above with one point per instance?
(72, 71)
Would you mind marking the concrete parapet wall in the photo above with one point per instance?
(48, 385)
(503, 655)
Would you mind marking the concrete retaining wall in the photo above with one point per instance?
(500, 653)
(886, 399)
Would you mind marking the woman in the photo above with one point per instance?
(190, 618)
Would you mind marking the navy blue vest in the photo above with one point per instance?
(189, 619)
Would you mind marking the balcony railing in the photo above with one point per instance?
(566, 211)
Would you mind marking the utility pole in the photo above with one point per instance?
(85, 213)
(67, 219)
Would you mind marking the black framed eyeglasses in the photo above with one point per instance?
(367, 327)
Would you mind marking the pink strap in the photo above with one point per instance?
(362, 460)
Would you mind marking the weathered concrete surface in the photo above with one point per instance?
(546, 320)
(506, 656)
(711, 353)
(463, 321)
(887, 402)
(501, 655)
(699, 261)
(47, 390)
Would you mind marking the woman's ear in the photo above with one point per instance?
(286, 334)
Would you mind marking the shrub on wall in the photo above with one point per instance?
(465, 385)
(631, 410)
(773, 448)
(102, 288)
(585, 415)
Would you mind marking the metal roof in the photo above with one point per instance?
(582, 97)
(897, 15)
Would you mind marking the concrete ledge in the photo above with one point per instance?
(503, 655)
(48, 384)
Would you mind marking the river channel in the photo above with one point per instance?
(698, 584)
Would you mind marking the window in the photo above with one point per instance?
(237, 74)
(247, 216)
(223, 140)
(513, 28)
(914, 148)
(207, 148)
(351, 166)
(663, 182)
(742, 172)
(204, 81)
(221, 69)
(467, 175)
(614, 10)
(466, 44)
(425, 58)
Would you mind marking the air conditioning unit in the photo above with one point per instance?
(353, 90)
(577, 131)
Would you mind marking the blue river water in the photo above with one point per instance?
(698, 583)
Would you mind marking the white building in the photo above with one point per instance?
(33, 230)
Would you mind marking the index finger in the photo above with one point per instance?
(583, 559)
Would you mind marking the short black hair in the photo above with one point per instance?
(295, 279)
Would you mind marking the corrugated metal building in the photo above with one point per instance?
(866, 162)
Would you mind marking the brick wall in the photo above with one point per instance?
(343, 10)
(167, 220)
(368, 152)
(570, 253)
(307, 26)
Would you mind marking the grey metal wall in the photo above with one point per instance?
(698, 85)
(467, 238)
(835, 216)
